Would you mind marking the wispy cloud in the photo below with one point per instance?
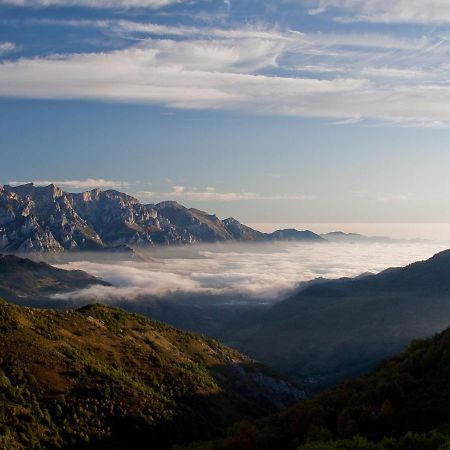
(211, 194)
(153, 4)
(89, 183)
(7, 47)
(252, 69)
(388, 11)
(382, 198)
(387, 198)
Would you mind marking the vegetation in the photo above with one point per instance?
(102, 378)
(403, 405)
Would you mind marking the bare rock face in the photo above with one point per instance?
(34, 218)
(46, 218)
(241, 232)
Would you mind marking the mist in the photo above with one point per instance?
(253, 273)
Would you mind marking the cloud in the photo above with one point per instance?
(153, 4)
(382, 198)
(257, 70)
(267, 272)
(77, 184)
(211, 194)
(388, 11)
(387, 198)
(7, 47)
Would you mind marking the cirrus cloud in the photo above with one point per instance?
(211, 194)
(153, 4)
(388, 11)
(256, 70)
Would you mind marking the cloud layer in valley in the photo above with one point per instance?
(252, 272)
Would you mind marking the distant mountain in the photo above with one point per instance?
(295, 235)
(48, 219)
(22, 278)
(354, 238)
(243, 233)
(403, 405)
(334, 329)
(102, 378)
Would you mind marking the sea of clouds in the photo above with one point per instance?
(263, 273)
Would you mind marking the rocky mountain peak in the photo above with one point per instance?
(90, 196)
(35, 218)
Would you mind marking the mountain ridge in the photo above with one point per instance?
(46, 218)
(22, 279)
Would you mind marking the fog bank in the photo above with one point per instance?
(265, 273)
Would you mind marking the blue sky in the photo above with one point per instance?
(270, 111)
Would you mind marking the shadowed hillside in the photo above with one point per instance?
(403, 405)
(334, 329)
(21, 277)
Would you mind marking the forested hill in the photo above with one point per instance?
(102, 378)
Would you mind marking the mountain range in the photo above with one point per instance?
(101, 378)
(34, 218)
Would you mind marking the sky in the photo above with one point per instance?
(288, 111)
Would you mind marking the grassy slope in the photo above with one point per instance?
(407, 394)
(102, 377)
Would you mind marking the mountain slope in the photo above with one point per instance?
(34, 218)
(243, 233)
(403, 405)
(334, 329)
(102, 378)
(22, 278)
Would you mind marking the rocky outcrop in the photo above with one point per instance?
(34, 218)
(241, 232)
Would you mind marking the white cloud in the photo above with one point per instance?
(389, 11)
(154, 4)
(211, 194)
(387, 198)
(382, 198)
(264, 272)
(342, 77)
(7, 47)
(77, 184)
